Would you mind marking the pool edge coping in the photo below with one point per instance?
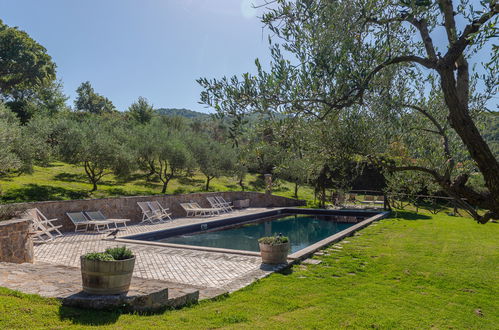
(292, 258)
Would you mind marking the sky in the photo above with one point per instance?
(151, 48)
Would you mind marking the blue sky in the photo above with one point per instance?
(151, 48)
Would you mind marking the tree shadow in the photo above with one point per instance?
(34, 192)
(409, 215)
(89, 317)
(189, 181)
(258, 183)
(233, 187)
(120, 192)
(71, 177)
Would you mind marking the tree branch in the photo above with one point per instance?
(457, 47)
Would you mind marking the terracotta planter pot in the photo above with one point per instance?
(106, 277)
(274, 254)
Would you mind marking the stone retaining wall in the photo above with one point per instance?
(126, 207)
(16, 244)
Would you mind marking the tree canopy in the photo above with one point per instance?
(381, 57)
(89, 101)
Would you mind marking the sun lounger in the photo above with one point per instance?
(209, 210)
(148, 214)
(226, 204)
(79, 219)
(216, 204)
(157, 209)
(193, 209)
(98, 216)
(44, 229)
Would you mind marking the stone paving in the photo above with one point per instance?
(62, 282)
(212, 273)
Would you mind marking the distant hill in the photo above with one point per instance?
(182, 113)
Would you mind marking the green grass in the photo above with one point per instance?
(60, 181)
(410, 271)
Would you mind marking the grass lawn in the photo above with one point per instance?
(409, 271)
(63, 181)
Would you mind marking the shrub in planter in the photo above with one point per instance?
(274, 249)
(108, 272)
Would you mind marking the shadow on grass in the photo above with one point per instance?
(89, 317)
(409, 215)
(190, 181)
(34, 192)
(71, 177)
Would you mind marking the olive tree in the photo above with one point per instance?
(99, 146)
(22, 147)
(338, 53)
(212, 158)
(162, 151)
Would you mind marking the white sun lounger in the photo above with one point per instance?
(156, 208)
(193, 209)
(148, 215)
(223, 202)
(44, 229)
(216, 204)
(98, 216)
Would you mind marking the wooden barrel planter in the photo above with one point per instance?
(274, 254)
(106, 277)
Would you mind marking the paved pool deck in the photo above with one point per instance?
(212, 273)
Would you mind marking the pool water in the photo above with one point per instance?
(302, 230)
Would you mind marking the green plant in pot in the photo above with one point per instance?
(274, 249)
(108, 272)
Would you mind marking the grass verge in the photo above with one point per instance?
(408, 271)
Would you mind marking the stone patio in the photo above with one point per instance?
(212, 273)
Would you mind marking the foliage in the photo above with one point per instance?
(172, 112)
(120, 253)
(141, 111)
(11, 211)
(91, 102)
(213, 159)
(25, 69)
(9, 133)
(408, 272)
(273, 240)
(21, 146)
(377, 59)
(99, 145)
(99, 256)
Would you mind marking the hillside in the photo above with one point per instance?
(182, 113)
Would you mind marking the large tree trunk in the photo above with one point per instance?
(479, 150)
(94, 187)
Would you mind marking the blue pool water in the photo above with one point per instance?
(302, 230)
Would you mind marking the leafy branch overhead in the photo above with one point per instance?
(390, 60)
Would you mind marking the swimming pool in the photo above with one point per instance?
(308, 229)
(302, 230)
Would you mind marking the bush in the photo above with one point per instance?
(101, 256)
(274, 240)
(120, 253)
(8, 212)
